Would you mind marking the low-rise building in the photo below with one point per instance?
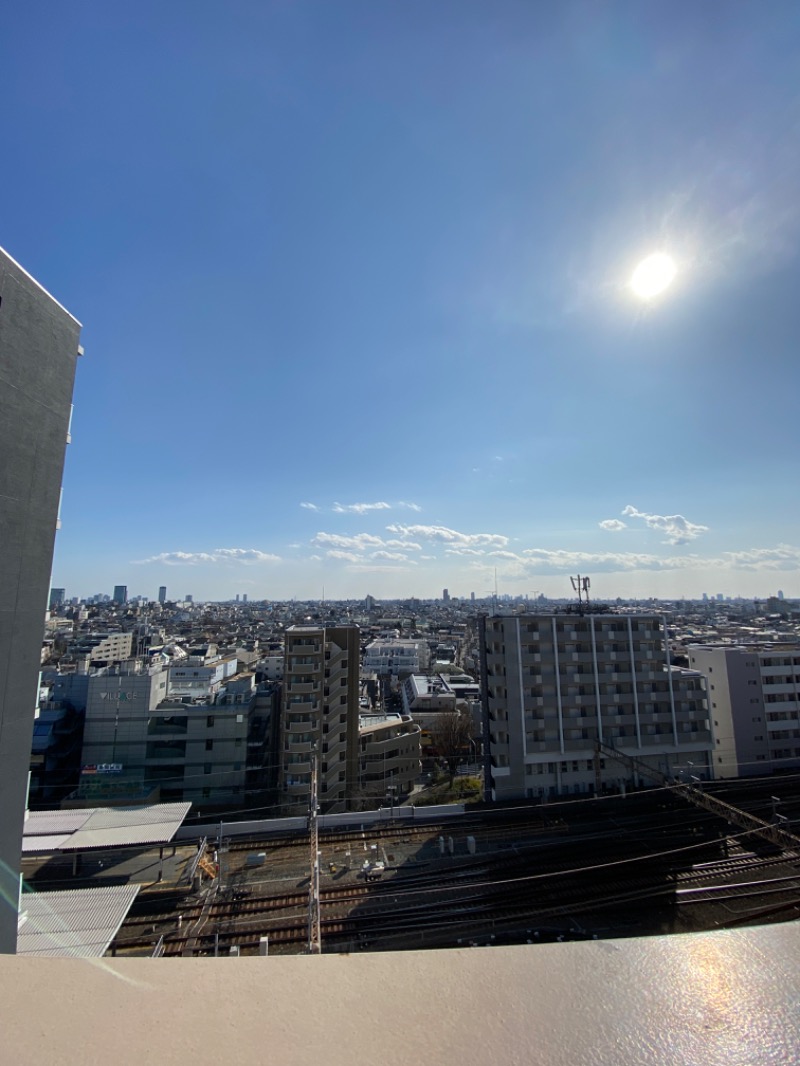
(392, 657)
(196, 749)
(102, 649)
(389, 756)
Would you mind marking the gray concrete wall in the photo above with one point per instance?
(38, 355)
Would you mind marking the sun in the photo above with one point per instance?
(653, 275)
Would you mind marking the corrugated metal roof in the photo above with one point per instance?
(81, 922)
(43, 823)
(40, 845)
(104, 827)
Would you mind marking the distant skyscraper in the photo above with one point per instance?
(472, 596)
(780, 594)
(39, 346)
(244, 597)
(189, 598)
(162, 594)
(446, 595)
(57, 597)
(120, 594)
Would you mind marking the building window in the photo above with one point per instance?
(206, 793)
(209, 745)
(207, 768)
(209, 721)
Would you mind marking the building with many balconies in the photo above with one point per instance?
(320, 715)
(389, 756)
(754, 697)
(556, 684)
(393, 657)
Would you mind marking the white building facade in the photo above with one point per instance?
(754, 697)
(391, 657)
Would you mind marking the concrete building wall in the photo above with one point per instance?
(320, 708)
(556, 684)
(754, 696)
(390, 752)
(192, 751)
(39, 348)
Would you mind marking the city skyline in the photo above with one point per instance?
(357, 290)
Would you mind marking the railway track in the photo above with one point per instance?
(532, 871)
(444, 907)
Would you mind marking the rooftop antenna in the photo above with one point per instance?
(581, 585)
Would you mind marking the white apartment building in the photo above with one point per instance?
(199, 677)
(754, 697)
(320, 711)
(556, 684)
(390, 657)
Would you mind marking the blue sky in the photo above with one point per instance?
(373, 258)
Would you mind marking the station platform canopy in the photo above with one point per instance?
(75, 924)
(46, 832)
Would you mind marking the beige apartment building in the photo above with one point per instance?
(320, 712)
(556, 684)
(389, 757)
(754, 693)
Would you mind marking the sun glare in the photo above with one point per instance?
(653, 275)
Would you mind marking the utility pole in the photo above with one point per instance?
(314, 930)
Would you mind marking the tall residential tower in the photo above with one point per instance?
(320, 713)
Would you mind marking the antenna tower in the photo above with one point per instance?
(581, 585)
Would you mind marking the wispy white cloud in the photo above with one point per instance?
(679, 530)
(783, 557)
(338, 553)
(218, 555)
(531, 561)
(358, 541)
(364, 508)
(363, 542)
(375, 568)
(612, 524)
(360, 508)
(451, 537)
